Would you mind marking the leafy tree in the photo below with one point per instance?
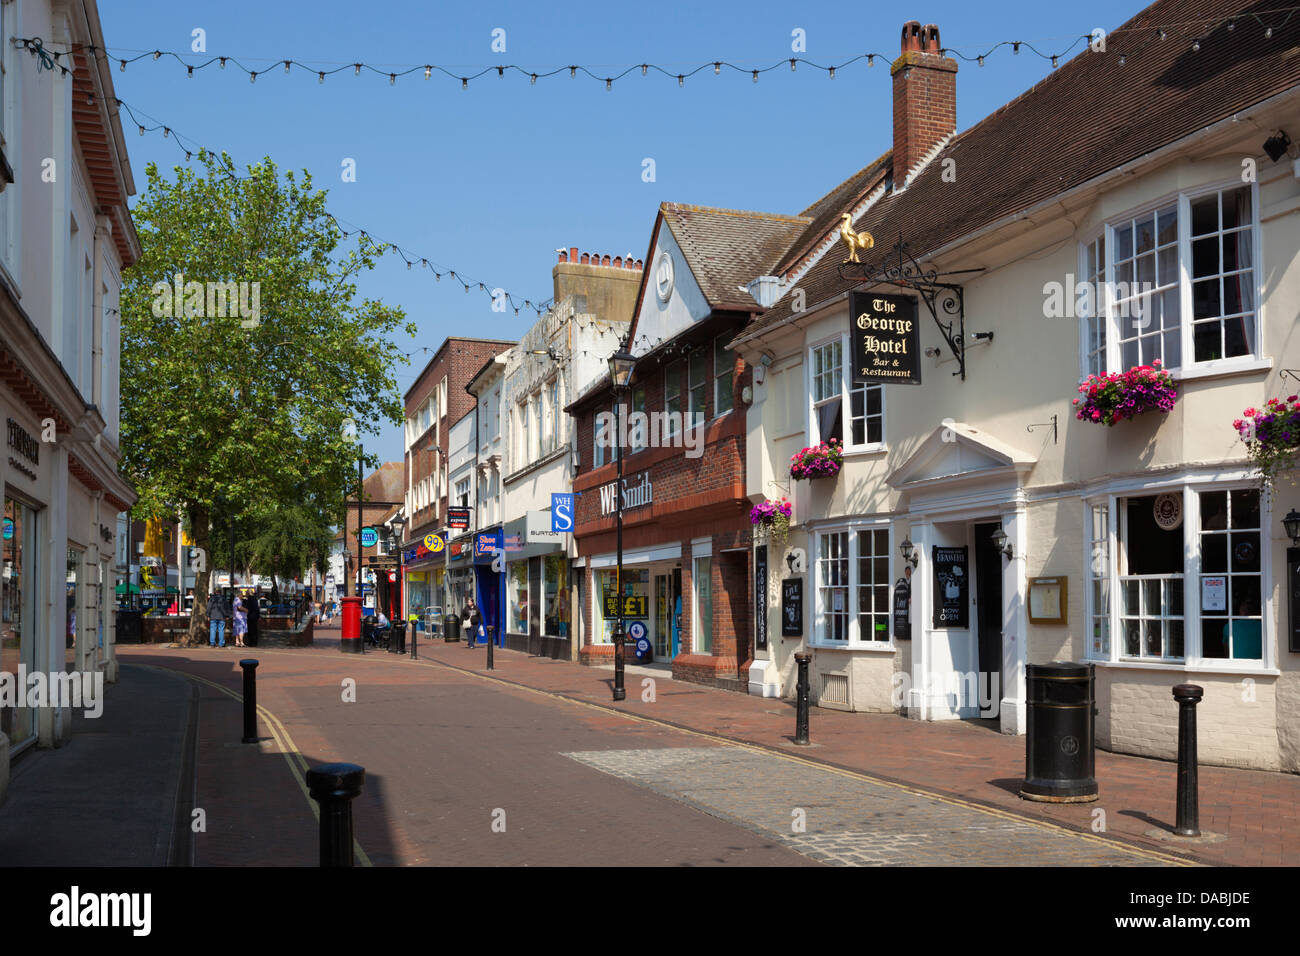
(239, 412)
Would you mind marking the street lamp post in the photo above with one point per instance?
(620, 375)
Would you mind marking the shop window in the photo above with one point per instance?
(637, 439)
(698, 383)
(18, 612)
(555, 585)
(833, 587)
(75, 582)
(724, 372)
(1176, 284)
(872, 585)
(702, 581)
(1157, 557)
(600, 438)
(1232, 625)
(518, 597)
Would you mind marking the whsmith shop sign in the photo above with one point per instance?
(886, 339)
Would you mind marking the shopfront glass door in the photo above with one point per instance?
(17, 615)
(662, 617)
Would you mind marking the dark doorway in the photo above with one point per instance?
(988, 618)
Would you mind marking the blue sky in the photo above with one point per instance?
(491, 180)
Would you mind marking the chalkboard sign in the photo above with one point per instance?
(951, 587)
(760, 597)
(792, 607)
(902, 610)
(1293, 587)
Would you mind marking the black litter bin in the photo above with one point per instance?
(451, 627)
(1059, 745)
(398, 637)
(367, 630)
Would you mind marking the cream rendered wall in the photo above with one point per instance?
(1027, 374)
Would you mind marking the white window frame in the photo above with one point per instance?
(1193, 659)
(672, 375)
(696, 630)
(855, 639)
(1188, 366)
(729, 373)
(847, 388)
(698, 416)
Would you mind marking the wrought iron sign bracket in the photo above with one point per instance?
(936, 289)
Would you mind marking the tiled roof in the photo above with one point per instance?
(727, 248)
(825, 212)
(386, 483)
(1086, 118)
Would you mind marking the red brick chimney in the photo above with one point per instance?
(925, 97)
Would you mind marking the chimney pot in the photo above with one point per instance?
(604, 260)
(573, 253)
(618, 262)
(586, 259)
(564, 255)
(911, 36)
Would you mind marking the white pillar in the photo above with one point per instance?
(1015, 620)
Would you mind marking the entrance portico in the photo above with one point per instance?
(967, 659)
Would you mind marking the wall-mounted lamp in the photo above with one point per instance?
(550, 353)
(1002, 543)
(933, 352)
(1292, 525)
(909, 552)
(764, 359)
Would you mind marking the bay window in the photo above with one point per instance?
(831, 389)
(1176, 283)
(1178, 577)
(853, 587)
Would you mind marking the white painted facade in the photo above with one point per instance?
(959, 456)
(65, 236)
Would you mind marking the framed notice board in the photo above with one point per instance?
(792, 607)
(951, 587)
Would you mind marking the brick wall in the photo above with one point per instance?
(459, 359)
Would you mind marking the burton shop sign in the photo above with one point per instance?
(951, 587)
(886, 339)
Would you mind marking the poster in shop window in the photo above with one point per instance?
(951, 587)
(886, 339)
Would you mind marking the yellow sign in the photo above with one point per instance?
(433, 542)
(153, 538)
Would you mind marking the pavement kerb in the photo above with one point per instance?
(943, 796)
(298, 766)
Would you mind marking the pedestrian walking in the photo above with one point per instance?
(216, 620)
(240, 621)
(472, 616)
(254, 620)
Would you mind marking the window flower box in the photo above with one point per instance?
(822, 460)
(1272, 435)
(1114, 396)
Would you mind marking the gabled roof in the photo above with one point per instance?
(1081, 121)
(727, 248)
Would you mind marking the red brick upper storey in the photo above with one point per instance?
(457, 360)
(690, 484)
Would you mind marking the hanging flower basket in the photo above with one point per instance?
(1115, 396)
(771, 518)
(820, 461)
(1272, 436)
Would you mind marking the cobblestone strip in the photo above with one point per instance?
(845, 821)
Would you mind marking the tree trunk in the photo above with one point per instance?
(198, 633)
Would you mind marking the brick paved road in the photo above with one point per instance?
(449, 753)
(846, 820)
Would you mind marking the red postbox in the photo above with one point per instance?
(351, 635)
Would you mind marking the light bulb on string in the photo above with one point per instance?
(392, 79)
(428, 71)
(532, 79)
(609, 85)
(791, 64)
(322, 76)
(357, 67)
(756, 76)
(645, 68)
(252, 77)
(832, 72)
(573, 72)
(121, 66)
(681, 80)
(286, 65)
(464, 83)
(981, 60)
(221, 60)
(189, 72)
(871, 59)
(717, 67)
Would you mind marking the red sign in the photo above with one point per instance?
(392, 577)
(458, 518)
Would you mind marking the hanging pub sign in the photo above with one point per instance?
(951, 587)
(886, 339)
(792, 607)
(760, 597)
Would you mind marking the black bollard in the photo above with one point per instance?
(250, 700)
(801, 700)
(414, 633)
(1189, 816)
(334, 786)
(492, 639)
